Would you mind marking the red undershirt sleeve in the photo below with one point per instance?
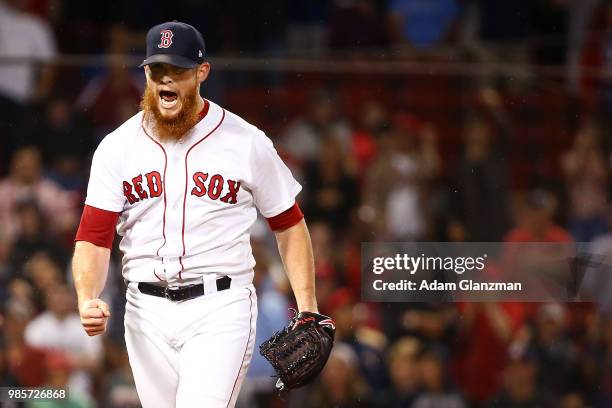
(286, 219)
(97, 226)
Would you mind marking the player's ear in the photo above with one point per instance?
(202, 72)
(147, 71)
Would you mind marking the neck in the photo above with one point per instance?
(199, 103)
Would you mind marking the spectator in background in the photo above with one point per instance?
(478, 194)
(31, 38)
(399, 181)
(373, 123)
(586, 176)
(405, 375)
(370, 359)
(44, 274)
(58, 374)
(551, 348)
(520, 388)
(22, 82)
(21, 295)
(437, 392)
(422, 24)
(339, 385)
(302, 139)
(33, 236)
(432, 323)
(535, 220)
(479, 352)
(113, 96)
(59, 329)
(64, 138)
(544, 268)
(24, 362)
(26, 182)
(478, 191)
(330, 186)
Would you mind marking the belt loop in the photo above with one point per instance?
(210, 283)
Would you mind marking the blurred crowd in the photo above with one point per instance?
(373, 169)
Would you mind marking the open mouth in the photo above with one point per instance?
(168, 99)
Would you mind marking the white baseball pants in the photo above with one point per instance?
(192, 353)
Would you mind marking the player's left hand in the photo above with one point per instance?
(325, 322)
(299, 352)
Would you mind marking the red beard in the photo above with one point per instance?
(170, 128)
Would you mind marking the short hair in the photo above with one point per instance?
(405, 347)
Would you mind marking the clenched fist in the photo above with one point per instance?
(94, 314)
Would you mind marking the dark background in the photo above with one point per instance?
(404, 120)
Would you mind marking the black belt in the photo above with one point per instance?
(184, 292)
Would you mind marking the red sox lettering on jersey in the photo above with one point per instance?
(135, 191)
(187, 207)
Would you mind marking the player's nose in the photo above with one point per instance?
(166, 79)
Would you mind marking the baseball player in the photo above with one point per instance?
(181, 181)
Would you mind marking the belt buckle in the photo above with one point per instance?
(167, 294)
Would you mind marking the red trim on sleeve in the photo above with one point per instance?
(97, 226)
(286, 219)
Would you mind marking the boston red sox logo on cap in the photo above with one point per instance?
(175, 43)
(166, 39)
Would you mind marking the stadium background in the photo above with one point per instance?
(444, 120)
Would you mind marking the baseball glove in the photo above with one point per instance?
(299, 351)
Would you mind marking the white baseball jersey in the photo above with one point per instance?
(187, 207)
